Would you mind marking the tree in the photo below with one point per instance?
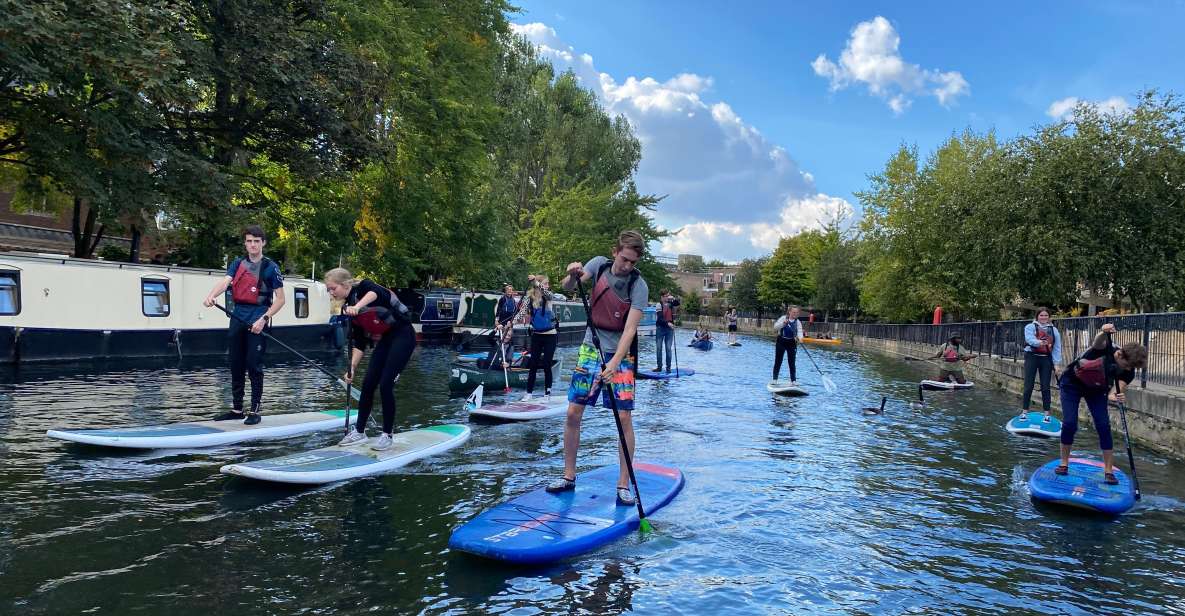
(692, 305)
(784, 280)
(836, 280)
(743, 292)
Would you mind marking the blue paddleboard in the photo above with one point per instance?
(1082, 487)
(1034, 424)
(539, 527)
(654, 374)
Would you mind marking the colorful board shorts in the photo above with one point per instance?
(586, 381)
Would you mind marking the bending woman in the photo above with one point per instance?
(380, 321)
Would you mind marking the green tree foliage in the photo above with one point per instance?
(743, 292)
(784, 279)
(836, 279)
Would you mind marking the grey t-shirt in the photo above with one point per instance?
(619, 284)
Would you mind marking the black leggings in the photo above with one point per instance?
(542, 350)
(1037, 364)
(789, 346)
(389, 358)
(246, 359)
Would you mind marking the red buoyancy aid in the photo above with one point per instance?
(610, 312)
(375, 321)
(951, 354)
(668, 314)
(1092, 372)
(1046, 341)
(247, 286)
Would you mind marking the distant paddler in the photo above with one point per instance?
(257, 290)
(379, 321)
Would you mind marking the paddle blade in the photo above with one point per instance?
(829, 385)
(644, 527)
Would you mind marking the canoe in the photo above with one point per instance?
(465, 376)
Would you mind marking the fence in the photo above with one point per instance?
(1162, 333)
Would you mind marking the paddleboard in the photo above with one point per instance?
(676, 373)
(336, 463)
(205, 433)
(784, 388)
(539, 527)
(520, 411)
(1082, 487)
(1034, 424)
(734, 344)
(945, 385)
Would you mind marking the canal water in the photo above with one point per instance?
(792, 505)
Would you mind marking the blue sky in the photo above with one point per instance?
(760, 119)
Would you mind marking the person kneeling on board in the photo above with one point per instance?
(789, 335)
(951, 354)
(381, 321)
(1092, 377)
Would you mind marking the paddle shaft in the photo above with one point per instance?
(1127, 439)
(629, 463)
(826, 382)
(279, 342)
(675, 349)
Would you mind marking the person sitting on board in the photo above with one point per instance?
(538, 304)
(664, 328)
(1094, 377)
(1043, 354)
(731, 315)
(378, 320)
(951, 353)
(504, 312)
(789, 335)
(257, 288)
(702, 333)
(618, 296)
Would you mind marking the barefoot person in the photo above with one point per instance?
(616, 302)
(257, 288)
(1093, 377)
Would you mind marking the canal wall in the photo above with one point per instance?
(1155, 414)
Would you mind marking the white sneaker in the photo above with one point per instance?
(353, 438)
(526, 398)
(794, 383)
(384, 442)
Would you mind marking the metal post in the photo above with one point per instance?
(1147, 343)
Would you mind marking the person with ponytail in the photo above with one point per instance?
(378, 320)
(544, 329)
(1043, 354)
(1102, 373)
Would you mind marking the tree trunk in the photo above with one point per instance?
(134, 253)
(86, 239)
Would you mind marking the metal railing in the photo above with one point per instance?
(1163, 334)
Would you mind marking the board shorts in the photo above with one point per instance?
(586, 381)
(732, 327)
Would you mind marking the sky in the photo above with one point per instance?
(762, 119)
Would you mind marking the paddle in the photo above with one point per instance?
(643, 523)
(828, 384)
(675, 350)
(505, 373)
(353, 391)
(1127, 439)
(350, 372)
(460, 346)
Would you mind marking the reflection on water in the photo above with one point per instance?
(792, 505)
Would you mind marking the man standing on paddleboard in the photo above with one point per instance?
(257, 288)
(616, 302)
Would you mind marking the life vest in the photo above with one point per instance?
(609, 312)
(541, 321)
(790, 330)
(378, 320)
(668, 313)
(247, 286)
(1045, 347)
(1092, 372)
(951, 354)
(507, 307)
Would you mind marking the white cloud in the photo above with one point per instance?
(871, 57)
(1064, 109)
(722, 177)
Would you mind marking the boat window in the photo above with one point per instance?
(10, 293)
(444, 309)
(302, 302)
(154, 296)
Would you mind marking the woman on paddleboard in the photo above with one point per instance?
(731, 315)
(378, 320)
(789, 331)
(951, 353)
(544, 327)
(1093, 377)
(1043, 353)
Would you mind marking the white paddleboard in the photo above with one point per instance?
(784, 388)
(522, 410)
(1035, 424)
(933, 385)
(206, 433)
(337, 463)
